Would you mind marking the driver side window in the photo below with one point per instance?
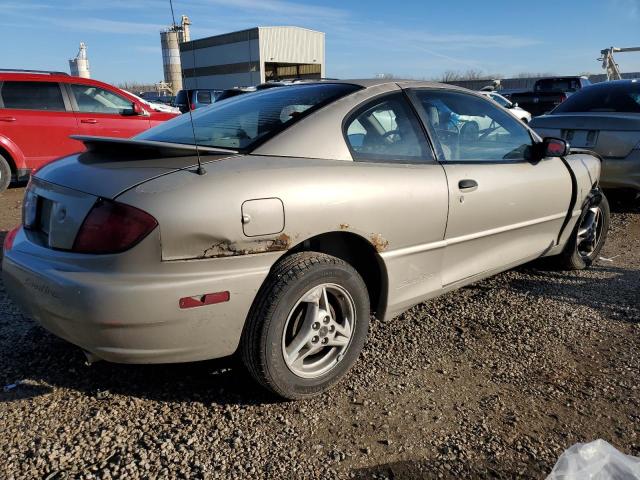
(472, 129)
(387, 130)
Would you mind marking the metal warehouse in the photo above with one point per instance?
(253, 56)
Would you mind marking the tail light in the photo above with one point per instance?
(9, 239)
(192, 106)
(112, 227)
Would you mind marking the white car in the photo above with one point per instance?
(513, 107)
(157, 106)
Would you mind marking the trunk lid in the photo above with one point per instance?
(111, 166)
(610, 135)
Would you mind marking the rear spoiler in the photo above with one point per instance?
(150, 147)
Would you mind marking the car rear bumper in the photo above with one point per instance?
(621, 172)
(136, 317)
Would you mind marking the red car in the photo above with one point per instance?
(39, 110)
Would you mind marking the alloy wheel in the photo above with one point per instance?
(590, 231)
(318, 330)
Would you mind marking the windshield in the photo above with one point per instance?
(240, 123)
(500, 100)
(607, 97)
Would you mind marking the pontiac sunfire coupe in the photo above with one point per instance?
(317, 205)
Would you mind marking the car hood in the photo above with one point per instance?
(113, 166)
(589, 121)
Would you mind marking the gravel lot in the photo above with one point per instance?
(493, 381)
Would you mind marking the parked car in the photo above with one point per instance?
(521, 113)
(158, 106)
(316, 205)
(604, 118)
(40, 110)
(234, 92)
(548, 93)
(192, 99)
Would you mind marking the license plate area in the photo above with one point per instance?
(581, 138)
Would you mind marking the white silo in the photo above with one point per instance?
(79, 66)
(170, 40)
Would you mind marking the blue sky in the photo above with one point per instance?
(417, 39)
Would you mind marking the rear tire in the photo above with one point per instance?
(5, 174)
(307, 325)
(587, 238)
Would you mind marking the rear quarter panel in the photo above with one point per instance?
(401, 210)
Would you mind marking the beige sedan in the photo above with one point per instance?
(303, 211)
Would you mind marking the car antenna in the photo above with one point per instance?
(200, 170)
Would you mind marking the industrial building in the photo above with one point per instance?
(170, 40)
(250, 57)
(79, 66)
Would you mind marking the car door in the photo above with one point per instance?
(389, 147)
(504, 209)
(37, 118)
(106, 113)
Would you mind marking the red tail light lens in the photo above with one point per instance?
(9, 238)
(192, 106)
(113, 227)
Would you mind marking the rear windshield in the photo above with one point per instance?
(242, 122)
(609, 97)
(558, 85)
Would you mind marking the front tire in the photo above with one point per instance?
(587, 238)
(307, 325)
(5, 174)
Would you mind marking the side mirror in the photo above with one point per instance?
(553, 147)
(138, 110)
(134, 110)
(514, 105)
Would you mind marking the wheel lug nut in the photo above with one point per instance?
(332, 328)
(326, 320)
(315, 339)
(325, 340)
(316, 325)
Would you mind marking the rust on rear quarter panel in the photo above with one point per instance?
(226, 248)
(379, 242)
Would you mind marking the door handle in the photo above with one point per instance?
(467, 185)
(89, 120)
(8, 119)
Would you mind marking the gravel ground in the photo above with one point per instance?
(493, 381)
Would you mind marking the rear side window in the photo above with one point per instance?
(558, 85)
(92, 99)
(386, 130)
(32, 96)
(204, 97)
(610, 97)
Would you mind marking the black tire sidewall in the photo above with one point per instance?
(5, 174)
(285, 381)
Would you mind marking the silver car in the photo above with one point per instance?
(316, 206)
(605, 118)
